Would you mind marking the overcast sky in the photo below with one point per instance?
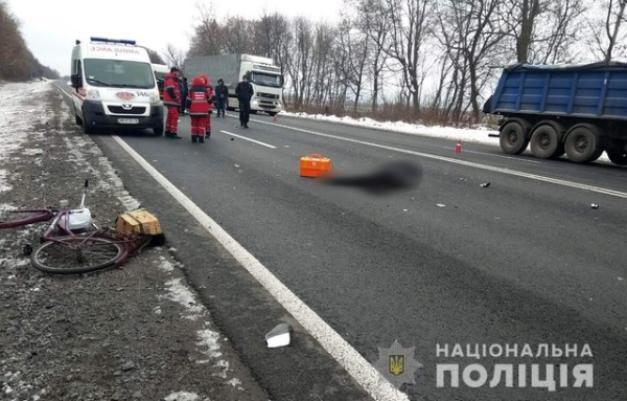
(51, 26)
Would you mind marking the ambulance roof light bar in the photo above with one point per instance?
(109, 40)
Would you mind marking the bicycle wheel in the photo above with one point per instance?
(18, 218)
(77, 254)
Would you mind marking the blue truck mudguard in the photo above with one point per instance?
(580, 110)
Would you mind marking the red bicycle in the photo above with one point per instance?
(72, 243)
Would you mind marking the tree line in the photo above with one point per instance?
(422, 58)
(17, 63)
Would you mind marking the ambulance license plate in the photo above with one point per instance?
(128, 120)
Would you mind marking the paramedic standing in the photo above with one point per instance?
(244, 92)
(172, 100)
(198, 98)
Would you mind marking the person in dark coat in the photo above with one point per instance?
(184, 90)
(244, 92)
(222, 97)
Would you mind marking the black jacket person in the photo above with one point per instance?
(244, 92)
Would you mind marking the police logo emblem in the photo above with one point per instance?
(397, 364)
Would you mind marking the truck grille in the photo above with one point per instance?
(267, 95)
(132, 110)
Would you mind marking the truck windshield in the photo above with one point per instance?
(119, 74)
(265, 79)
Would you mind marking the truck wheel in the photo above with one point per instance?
(272, 113)
(583, 143)
(546, 140)
(618, 157)
(513, 136)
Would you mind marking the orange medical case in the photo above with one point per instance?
(315, 165)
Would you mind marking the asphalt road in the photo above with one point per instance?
(523, 261)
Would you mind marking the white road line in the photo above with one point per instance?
(502, 170)
(267, 145)
(375, 384)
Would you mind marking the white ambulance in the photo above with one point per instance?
(114, 86)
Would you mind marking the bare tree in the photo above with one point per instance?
(520, 22)
(541, 30)
(372, 21)
(353, 46)
(476, 35)
(607, 37)
(559, 30)
(407, 20)
(175, 57)
(208, 34)
(238, 35)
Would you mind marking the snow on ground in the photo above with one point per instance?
(4, 185)
(208, 340)
(178, 292)
(477, 135)
(474, 135)
(183, 396)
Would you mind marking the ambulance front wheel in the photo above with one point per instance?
(157, 129)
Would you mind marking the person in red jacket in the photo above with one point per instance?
(198, 98)
(211, 99)
(172, 100)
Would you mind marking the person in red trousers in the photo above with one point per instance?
(211, 99)
(172, 100)
(198, 98)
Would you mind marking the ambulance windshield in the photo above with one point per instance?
(119, 74)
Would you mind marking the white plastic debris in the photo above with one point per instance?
(279, 336)
(440, 205)
(594, 206)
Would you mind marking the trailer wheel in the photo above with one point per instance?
(513, 136)
(546, 140)
(584, 143)
(618, 157)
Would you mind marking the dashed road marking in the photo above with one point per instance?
(267, 145)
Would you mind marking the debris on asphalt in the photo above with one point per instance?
(236, 165)
(128, 366)
(279, 336)
(232, 138)
(594, 205)
(440, 205)
(485, 185)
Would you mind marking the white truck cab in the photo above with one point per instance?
(114, 86)
(267, 83)
(263, 74)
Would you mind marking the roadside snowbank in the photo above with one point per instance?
(477, 135)
(474, 135)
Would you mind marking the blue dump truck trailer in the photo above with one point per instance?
(580, 110)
